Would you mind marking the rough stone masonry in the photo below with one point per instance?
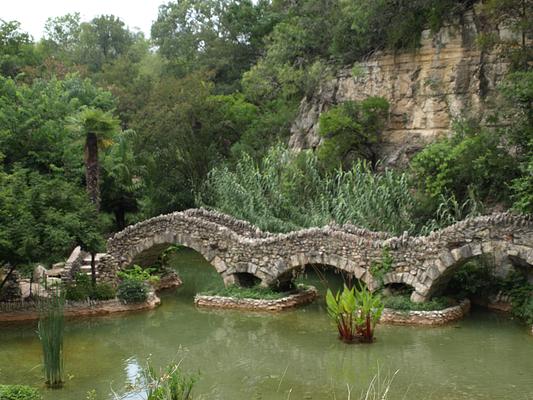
(241, 253)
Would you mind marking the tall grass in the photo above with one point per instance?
(288, 191)
(51, 331)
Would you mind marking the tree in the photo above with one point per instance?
(98, 128)
(16, 48)
(103, 40)
(351, 131)
(122, 182)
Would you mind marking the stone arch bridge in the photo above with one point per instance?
(241, 253)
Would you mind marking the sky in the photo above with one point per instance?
(32, 14)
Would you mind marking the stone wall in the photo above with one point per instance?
(291, 301)
(430, 318)
(425, 263)
(447, 77)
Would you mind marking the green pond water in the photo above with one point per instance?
(291, 355)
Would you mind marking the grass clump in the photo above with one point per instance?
(254, 292)
(404, 303)
(51, 330)
(18, 392)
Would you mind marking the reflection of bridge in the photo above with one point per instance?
(243, 254)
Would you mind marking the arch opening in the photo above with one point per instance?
(321, 276)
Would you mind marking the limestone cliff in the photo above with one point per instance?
(446, 78)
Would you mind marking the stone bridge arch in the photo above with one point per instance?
(242, 254)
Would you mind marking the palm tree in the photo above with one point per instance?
(99, 128)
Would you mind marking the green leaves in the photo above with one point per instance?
(355, 312)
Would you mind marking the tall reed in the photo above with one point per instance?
(51, 331)
(288, 191)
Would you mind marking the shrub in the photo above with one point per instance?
(18, 392)
(384, 266)
(139, 274)
(82, 289)
(103, 291)
(132, 291)
(472, 159)
(403, 303)
(350, 131)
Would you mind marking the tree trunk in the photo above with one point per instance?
(92, 169)
(120, 218)
(9, 272)
(93, 269)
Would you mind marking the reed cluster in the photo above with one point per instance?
(51, 332)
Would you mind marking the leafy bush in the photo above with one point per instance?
(472, 159)
(379, 269)
(18, 392)
(350, 131)
(103, 291)
(82, 289)
(403, 303)
(138, 274)
(473, 278)
(132, 291)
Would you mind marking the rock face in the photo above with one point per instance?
(242, 254)
(447, 77)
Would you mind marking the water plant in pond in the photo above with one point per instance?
(19, 392)
(169, 383)
(51, 331)
(355, 312)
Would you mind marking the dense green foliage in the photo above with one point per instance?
(171, 383)
(476, 278)
(82, 289)
(286, 191)
(194, 116)
(131, 291)
(19, 392)
(351, 131)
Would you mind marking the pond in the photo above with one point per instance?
(291, 355)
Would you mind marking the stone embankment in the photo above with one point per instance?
(27, 310)
(294, 300)
(429, 318)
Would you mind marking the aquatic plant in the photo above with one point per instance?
(170, 383)
(51, 331)
(355, 312)
(19, 392)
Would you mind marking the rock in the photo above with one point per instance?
(11, 290)
(39, 273)
(426, 89)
